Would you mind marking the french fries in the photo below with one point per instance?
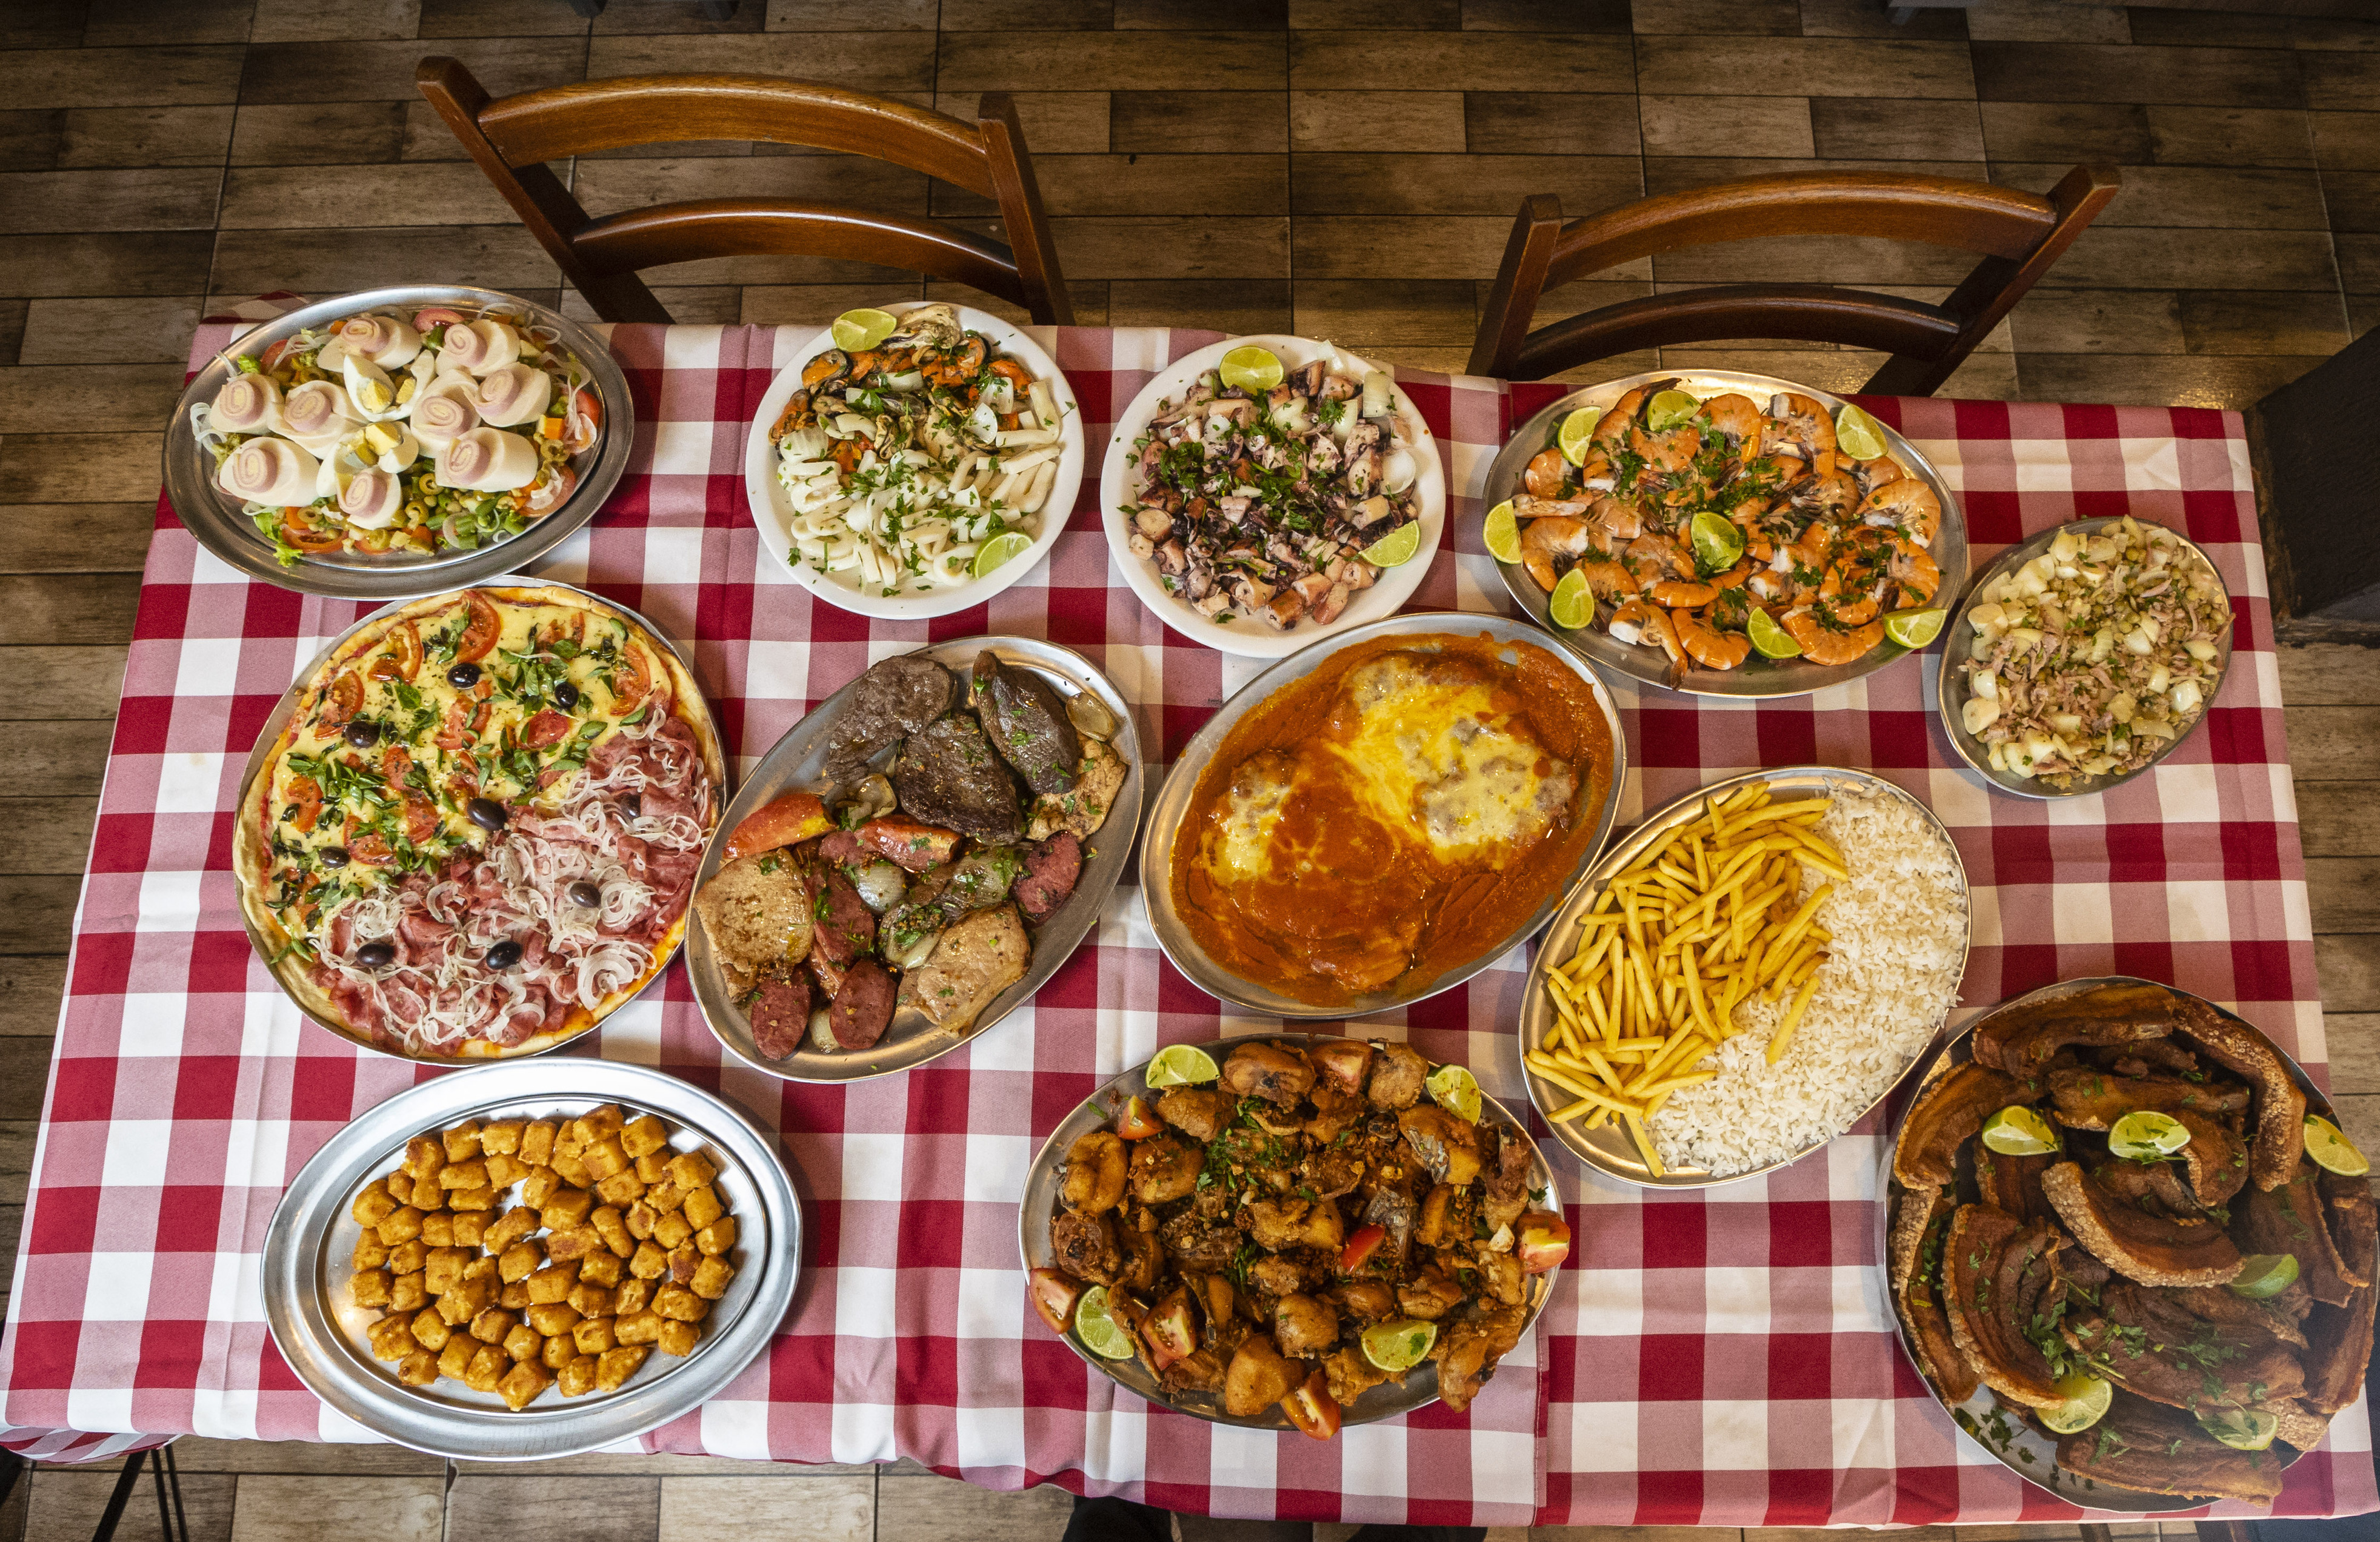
(1699, 924)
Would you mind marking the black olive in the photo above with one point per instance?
(487, 813)
(463, 676)
(503, 955)
(376, 955)
(334, 857)
(634, 803)
(585, 894)
(362, 734)
(565, 695)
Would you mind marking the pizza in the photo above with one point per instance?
(478, 831)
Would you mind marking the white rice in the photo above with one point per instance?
(1900, 927)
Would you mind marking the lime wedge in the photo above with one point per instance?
(1575, 429)
(1718, 545)
(1671, 409)
(1502, 533)
(2018, 1131)
(1251, 369)
(2241, 1429)
(1181, 1065)
(1914, 628)
(2330, 1147)
(1398, 1346)
(1003, 547)
(2087, 1398)
(2144, 1137)
(1857, 435)
(1571, 607)
(1397, 548)
(1100, 1333)
(1454, 1089)
(1772, 640)
(2266, 1275)
(858, 331)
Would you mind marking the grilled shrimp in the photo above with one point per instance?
(1907, 502)
(1617, 520)
(1610, 581)
(1706, 644)
(1824, 642)
(1610, 435)
(1546, 472)
(1736, 415)
(1911, 575)
(1643, 625)
(1801, 426)
(1548, 539)
(1677, 592)
(1669, 452)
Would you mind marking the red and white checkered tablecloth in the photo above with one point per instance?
(1724, 1359)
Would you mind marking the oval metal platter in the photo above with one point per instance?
(1611, 1151)
(1174, 802)
(278, 719)
(308, 1248)
(2015, 1444)
(1757, 676)
(215, 520)
(1951, 690)
(796, 763)
(1040, 1202)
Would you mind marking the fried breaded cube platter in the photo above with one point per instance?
(523, 1255)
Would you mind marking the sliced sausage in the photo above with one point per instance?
(846, 927)
(781, 1014)
(863, 1006)
(912, 846)
(1050, 868)
(843, 847)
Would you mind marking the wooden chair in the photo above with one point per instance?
(2019, 234)
(513, 137)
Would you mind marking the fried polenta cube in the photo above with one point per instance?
(487, 1368)
(702, 1206)
(472, 1175)
(555, 1316)
(683, 1262)
(373, 1206)
(438, 1228)
(718, 1237)
(523, 1384)
(515, 1297)
(672, 1230)
(577, 1378)
(566, 1208)
(491, 1326)
(600, 1269)
(570, 1141)
(653, 1166)
(408, 1257)
(471, 1231)
(505, 1171)
(593, 1335)
(482, 1268)
(711, 1278)
(550, 1283)
(643, 1135)
(605, 1158)
(455, 1359)
(640, 1219)
(480, 1199)
(632, 1297)
(391, 1339)
(370, 1287)
(620, 1190)
(431, 1331)
(462, 1142)
(613, 1367)
(417, 1369)
(573, 1170)
(520, 1261)
(692, 1169)
(665, 1195)
(523, 1342)
(537, 1141)
(612, 1230)
(468, 1299)
(501, 1137)
(400, 1225)
(542, 1185)
(558, 1352)
(678, 1339)
(602, 1122)
(370, 1252)
(405, 1294)
(638, 1327)
(680, 1305)
(424, 1155)
(571, 1245)
(589, 1300)
(508, 1228)
(649, 1262)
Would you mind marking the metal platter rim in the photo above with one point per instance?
(1083, 1118)
(1172, 801)
(1536, 1017)
(1050, 658)
(294, 1310)
(2121, 1499)
(1956, 634)
(278, 719)
(227, 535)
(1636, 663)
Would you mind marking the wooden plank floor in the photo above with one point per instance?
(1347, 168)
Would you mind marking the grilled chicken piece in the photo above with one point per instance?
(2089, 1099)
(1367, 1300)
(1428, 1294)
(2148, 1448)
(1918, 1223)
(1025, 719)
(1277, 1075)
(756, 912)
(2161, 1350)
(1346, 1064)
(1500, 1277)
(1953, 1108)
(1192, 1241)
(1472, 1345)
(1095, 1173)
(1279, 1273)
(1506, 1196)
(2021, 1042)
(1397, 1076)
(1197, 1112)
(979, 956)
(1996, 1272)
(2151, 1249)
(1447, 1148)
(1304, 1326)
(1084, 1246)
(2291, 1219)
(1349, 1374)
(1257, 1377)
(1276, 1226)
(1144, 1259)
(1082, 809)
(1164, 1168)
(2277, 1138)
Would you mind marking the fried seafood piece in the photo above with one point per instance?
(1197, 1112)
(1470, 1347)
(1500, 1276)
(1944, 1114)
(1331, 1171)
(1447, 1213)
(2292, 1220)
(1921, 1218)
(1391, 1210)
(1095, 1173)
(1398, 1076)
(2021, 1041)
(2159, 1350)
(1505, 1195)
(2086, 1098)
(1344, 1063)
(2339, 1347)
(1142, 1258)
(1084, 1246)
(2276, 1138)
(1277, 1075)
(1447, 1148)
(1286, 1273)
(1163, 1168)
(2155, 1250)
(1998, 1273)
(2148, 1448)
(1365, 1300)
(1334, 1112)
(1257, 1377)
(1304, 1326)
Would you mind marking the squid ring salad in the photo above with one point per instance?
(1685, 517)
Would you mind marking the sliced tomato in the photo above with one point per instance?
(395, 765)
(307, 795)
(633, 681)
(421, 821)
(464, 720)
(308, 537)
(1312, 1408)
(434, 316)
(548, 495)
(368, 846)
(1054, 1293)
(342, 699)
(1168, 1330)
(277, 355)
(400, 657)
(479, 639)
(783, 822)
(1138, 1121)
(545, 730)
(1543, 1241)
(1360, 1247)
(586, 424)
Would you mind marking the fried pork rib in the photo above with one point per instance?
(2279, 1140)
(1996, 1271)
(2021, 1042)
(2155, 1250)
(1946, 1114)
(2148, 1447)
(1918, 1229)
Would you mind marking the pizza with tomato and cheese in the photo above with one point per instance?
(478, 834)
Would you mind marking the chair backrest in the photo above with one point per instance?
(513, 137)
(2018, 235)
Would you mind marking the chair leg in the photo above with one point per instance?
(174, 1527)
(121, 1497)
(2226, 1531)
(1520, 279)
(591, 9)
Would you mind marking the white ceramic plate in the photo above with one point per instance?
(1120, 483)
(772, 512)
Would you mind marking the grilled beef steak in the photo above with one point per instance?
(949, 776)
(892, 700)
(1026, 722)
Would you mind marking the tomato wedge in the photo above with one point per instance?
(631, 684)
(400, 657)
(586, 422)
(368, 846)
(1312, 1408)
(1360, 1246)
(307, 795)
(545, 730)
(464, 720)
(550, 494)
(1543, 1241)
(1054, 1293)
(479, 639)
(342, 699)
(305, 537)
(1138, 1121)
(782, 822)
(1168, 1331)
(421, 821)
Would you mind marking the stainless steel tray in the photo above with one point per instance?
(214, 518)
(2015, 1445)
(308, 1247)
(796, 763)
(1039, 1201)
(1173, 800)
(1951, 689)
(1758, 676)
(278, 719)
(1611, 1150)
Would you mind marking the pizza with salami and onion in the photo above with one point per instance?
(479, 832)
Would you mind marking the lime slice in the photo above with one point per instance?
(1857, 435)
(1718, 545)
(858, 331)
(2144, 1136)
(1398, 1346)
(1454, 1089)
(2330, 1148)
(1502, 533)
(1773, 640)
(1396, 549)
(1004, 546)
(2087, 1398)
(1575, 429)
(1571, 607)
(1249, 368)
(1914, 628)
(1100, 1333)
(2241, 1429)
(2018, 1131)
(1671, 409)
(2266, 1275)
(1181, 1065)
